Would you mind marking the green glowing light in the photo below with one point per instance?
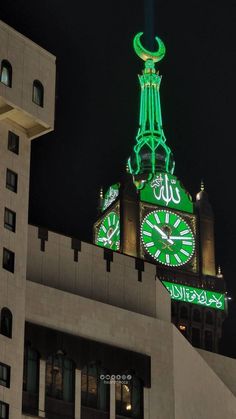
(150, 152)
(167, 238)
(109, 232)
(165, 190)
(197, 296)
(110, 196)
(144, 53)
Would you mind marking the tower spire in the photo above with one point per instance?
(150, 153)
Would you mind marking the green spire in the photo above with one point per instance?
(150, 154)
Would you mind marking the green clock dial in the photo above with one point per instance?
(109, 232)
(167, 237)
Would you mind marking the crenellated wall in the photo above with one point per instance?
(90, 271)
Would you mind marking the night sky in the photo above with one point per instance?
(97, 106)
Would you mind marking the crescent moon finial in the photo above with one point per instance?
(144, 54)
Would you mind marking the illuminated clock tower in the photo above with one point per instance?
(150, 216)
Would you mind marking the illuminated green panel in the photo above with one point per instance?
(110, 196)
(197, 296)
(109, 232)
(150, 152)
(144, 54)
(165, 190)
(167, 238)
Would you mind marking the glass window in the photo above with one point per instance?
(209, 318)
(10, 220)
(38, 93)
(8, 261)
(4, 375)
(129, 398)
(13, 142)
(6, 73)
(6, 322)
(183, 312)
(173, 309)
(31, 370)
(94, 390)
(4, 410)
(208, 340)
(196, 315)
(196, 337)
(11, 180)
(60, 376)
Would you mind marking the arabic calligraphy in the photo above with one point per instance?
(165, 189)
(110, 197)
(195, 295)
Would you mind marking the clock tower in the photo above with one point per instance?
(151, 216)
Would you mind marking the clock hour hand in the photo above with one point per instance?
(112, 234)
(163, 235)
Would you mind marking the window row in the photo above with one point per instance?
(196, 315)
(6, 77)
(199, 338)
(95, 384)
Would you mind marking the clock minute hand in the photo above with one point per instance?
(163, 235)
(180, 238)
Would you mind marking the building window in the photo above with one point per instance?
(13, 142)
(208, 340)
(60, 377)
(6, 322)
(129, 398)
(196, 315)
(8, 261)
(6, 73)
(4, 410)
(209, 318)
(11, 180)
(196, 337)
(94, 391)
(184, 313)
(38, 93)
(5, 375)
(10, 220)
(173, 309)
(31, 370)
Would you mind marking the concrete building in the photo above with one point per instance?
(85, 333)
(27, 95)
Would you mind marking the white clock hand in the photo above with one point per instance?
(163, 235)
(180, 238)
(112, 234)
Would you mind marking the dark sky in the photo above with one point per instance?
(97, 107)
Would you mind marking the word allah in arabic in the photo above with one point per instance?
(165, 189)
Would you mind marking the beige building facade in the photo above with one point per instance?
(84, 333)
(27, 94)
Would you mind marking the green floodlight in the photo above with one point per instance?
(150, 154)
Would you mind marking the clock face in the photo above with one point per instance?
(109, 232)
(167, 238)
